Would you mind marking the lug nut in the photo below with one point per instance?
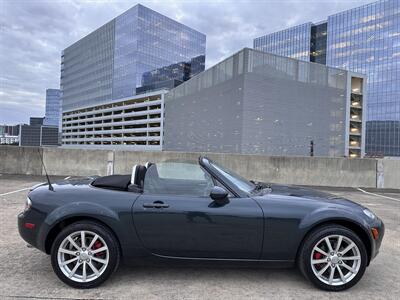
(332, 253)
(77, 253)
(339, 254)
(83, 249)
(80, 260)
(328, 259)
(340, 262)
(88, 260)
(90, 253)
(332, 265)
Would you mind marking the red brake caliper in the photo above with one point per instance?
(318, 255)
(97, 245)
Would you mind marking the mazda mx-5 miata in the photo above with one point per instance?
(197, 212)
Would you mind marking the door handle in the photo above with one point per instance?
(156, 204)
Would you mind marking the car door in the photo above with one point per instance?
(176, 217)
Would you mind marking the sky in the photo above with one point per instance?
(34, 32)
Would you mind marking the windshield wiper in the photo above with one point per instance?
(260, 186)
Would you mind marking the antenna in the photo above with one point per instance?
(45, 171)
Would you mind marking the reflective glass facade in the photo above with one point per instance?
(318, 43)
(87, 69)
(114, 61)
(292, 42)
(365, 40)
(53, 107)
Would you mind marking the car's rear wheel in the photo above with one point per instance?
(85, 254)
(333, 258)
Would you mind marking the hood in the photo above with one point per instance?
(309, 194)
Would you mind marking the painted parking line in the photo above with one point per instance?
(378, 195)
(17, 191)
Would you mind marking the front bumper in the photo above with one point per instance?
(376, 243)
(29, 235)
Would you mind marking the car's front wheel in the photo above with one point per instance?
(85, 254)
(333, 258)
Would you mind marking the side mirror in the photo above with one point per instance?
(218, 193)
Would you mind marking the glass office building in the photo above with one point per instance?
(293, 42)
(114, 61)
(366, 40)
(53, 108)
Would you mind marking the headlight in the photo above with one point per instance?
(369, 213)
(28, 204)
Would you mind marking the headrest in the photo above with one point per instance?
(134, 171)
(138, 173)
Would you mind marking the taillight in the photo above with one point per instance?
(28, 204)
(30, 225)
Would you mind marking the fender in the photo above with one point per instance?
(91, 210)
(324, 215)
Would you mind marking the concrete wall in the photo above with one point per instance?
(20, 160)
(77, 162)
(318, 171)
(388, 173)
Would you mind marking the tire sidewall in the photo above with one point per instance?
(314, 238)
(105, 234)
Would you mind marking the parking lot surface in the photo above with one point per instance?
(26, 273)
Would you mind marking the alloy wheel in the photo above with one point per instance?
(83, 256)
(335, 260)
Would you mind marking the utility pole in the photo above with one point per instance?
(311, 148)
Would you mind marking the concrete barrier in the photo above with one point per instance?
(318, 171)
(20, 160)
(77, 162)
(388, 173)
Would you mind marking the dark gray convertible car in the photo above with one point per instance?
(197, 212)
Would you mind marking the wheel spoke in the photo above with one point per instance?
(339, 243)
(320, 251)
(92, 242)
(319, 261)
(74, 269)
(100, 249)
(95, 271)
(83, 245)
(328, 243)
(66, 251)
(103, 261)
(341, 274)
(349, 268)
(73, 243)
(331, 275)
(84, 271)
(350, 258)
(352, 245)
(69, 261)
(323, 270)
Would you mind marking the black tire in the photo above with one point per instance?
(304, 257)
(106, 235)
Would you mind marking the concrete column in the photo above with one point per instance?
(380, 174)
(110, 162)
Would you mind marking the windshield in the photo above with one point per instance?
(242, 183)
